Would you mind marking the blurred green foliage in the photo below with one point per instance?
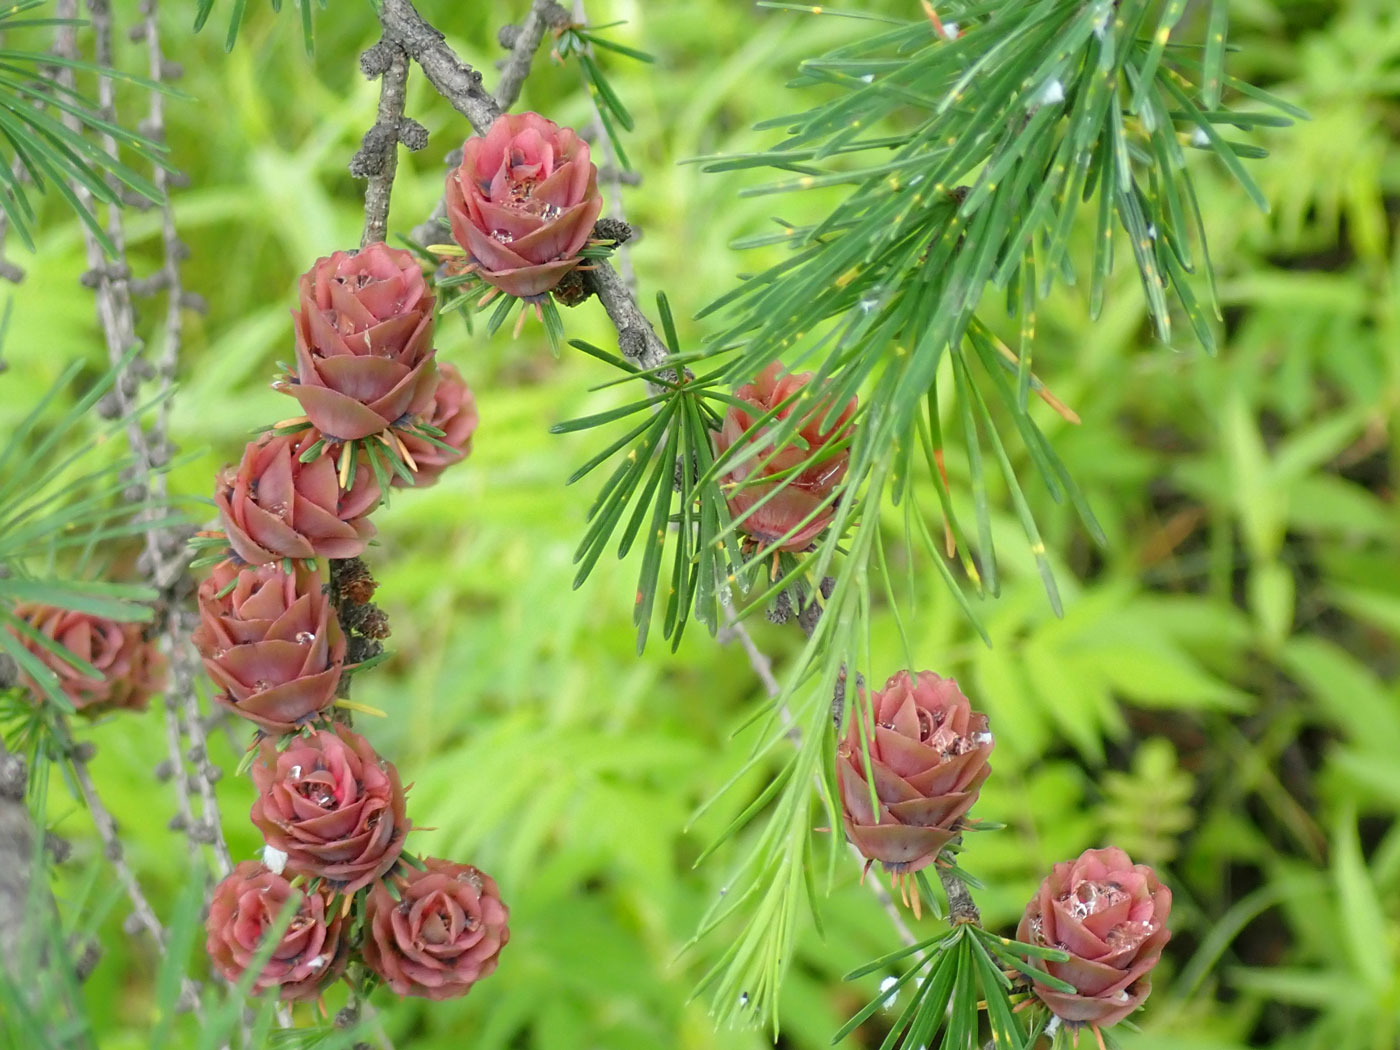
(1221, 697)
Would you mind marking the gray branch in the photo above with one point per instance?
(524, 42)
(454, 79)
(461, 86)
(611, 173)
(961, 907)
(142, 911)
(16, 849)
(164, 560)
(378, 156)
(636, 338)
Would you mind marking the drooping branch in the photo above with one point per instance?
(636, 338)
(763, 667)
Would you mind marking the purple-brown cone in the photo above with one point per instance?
(523, 202)
(928, 759)
(453, 411)
(274, 506)
(804, 496)
(311, 953)
(332, 805)
(273, 643)
(444, 935)
(129, 667)
(1111, 916)
(364, 342)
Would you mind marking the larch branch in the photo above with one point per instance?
(378, 157)
(544, 15)
(461, 86)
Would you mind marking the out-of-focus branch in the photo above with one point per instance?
(523, 41)
(165, 559)
(16, 846)
(142, 913)
(8, 270)
(611, 173)
(112, 848)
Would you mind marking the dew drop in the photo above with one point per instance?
(274, 860)
(305, 637)
(887, 990)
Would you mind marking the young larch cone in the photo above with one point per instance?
(1110, 915)
(523, 202)
(129, 667)
(333, 806)
(800, 500)
(272, 643)
(311, 953)
(364, 342)
(928, 759)
(453, 411)
(443, 935)
(273, 506)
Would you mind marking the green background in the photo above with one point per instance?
(1220, 697)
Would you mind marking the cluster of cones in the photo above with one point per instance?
(379, 413)
(910, 766)
(334, 877)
